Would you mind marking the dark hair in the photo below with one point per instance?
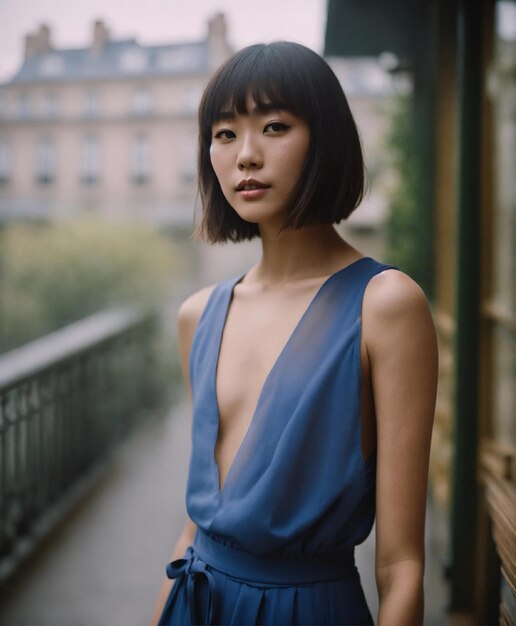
(299, 80)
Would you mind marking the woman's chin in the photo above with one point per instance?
(261, 217)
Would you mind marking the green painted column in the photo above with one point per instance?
(465, 486)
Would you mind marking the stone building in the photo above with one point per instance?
(109, 128)
(112, 128)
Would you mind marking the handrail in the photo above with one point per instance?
(21, 363)
(65, 400)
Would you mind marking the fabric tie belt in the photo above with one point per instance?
(193, 568)
(208, 554)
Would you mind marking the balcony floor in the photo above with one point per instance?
(104, 564)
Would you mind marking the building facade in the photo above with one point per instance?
(111, 127)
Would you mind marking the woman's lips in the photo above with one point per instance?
(249, 193)
(251, 189)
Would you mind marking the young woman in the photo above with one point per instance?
(313, 376)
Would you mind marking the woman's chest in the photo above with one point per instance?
(255, 334)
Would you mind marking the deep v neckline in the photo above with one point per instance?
(227, 304)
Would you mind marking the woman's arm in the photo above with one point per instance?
(185, 540)
(187, 318)
(402, 350)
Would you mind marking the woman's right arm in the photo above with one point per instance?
(187, 318)
(185, 540)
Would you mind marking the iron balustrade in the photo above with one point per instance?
(65, 400)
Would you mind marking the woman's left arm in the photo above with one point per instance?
(402, 349)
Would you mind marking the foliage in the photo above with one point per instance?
(58, 273)
(404, 225)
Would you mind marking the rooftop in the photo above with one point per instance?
(108, 59)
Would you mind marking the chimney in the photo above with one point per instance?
(217, 40)
(100, 36)
(31, 46)
(44, 44)
(217, 27)
(38, 42)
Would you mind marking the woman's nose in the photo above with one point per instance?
(249, 156)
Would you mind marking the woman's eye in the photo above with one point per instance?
(276, 127)
(224, 133)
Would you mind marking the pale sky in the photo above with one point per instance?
(157, 21)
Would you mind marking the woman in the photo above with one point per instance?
(313, 375)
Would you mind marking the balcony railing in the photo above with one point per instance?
(65, 400)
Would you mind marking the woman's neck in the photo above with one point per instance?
(311, 251)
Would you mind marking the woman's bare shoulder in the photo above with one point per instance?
(395, 308)
(191, 309)
(392, 293)
(188, 316)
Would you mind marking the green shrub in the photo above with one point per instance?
(404, 225)
(55, 274)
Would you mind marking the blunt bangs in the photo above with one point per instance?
(287, 76)
(259, 75)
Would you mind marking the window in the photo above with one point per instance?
(46, 161)
(50, 105)
(140, 160)
(52, 65)
(190, 98)
(141, 103)
(133, 60)
(188, 164)
(90, 160)
(91, 103)
(181, 58)
(5, 162)
(23, 107)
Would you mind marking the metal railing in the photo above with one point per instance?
(65, 400)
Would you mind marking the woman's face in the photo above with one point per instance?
(258, 158)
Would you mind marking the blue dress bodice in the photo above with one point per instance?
(298, 484)
(275, 544)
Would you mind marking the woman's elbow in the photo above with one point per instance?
(400, 591)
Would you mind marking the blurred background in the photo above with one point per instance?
(98, 201)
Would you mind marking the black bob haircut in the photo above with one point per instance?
(297, 79)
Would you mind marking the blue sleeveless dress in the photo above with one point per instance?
(275, 545)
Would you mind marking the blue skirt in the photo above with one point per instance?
(219, 584)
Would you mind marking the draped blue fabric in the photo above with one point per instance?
(275, 545)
